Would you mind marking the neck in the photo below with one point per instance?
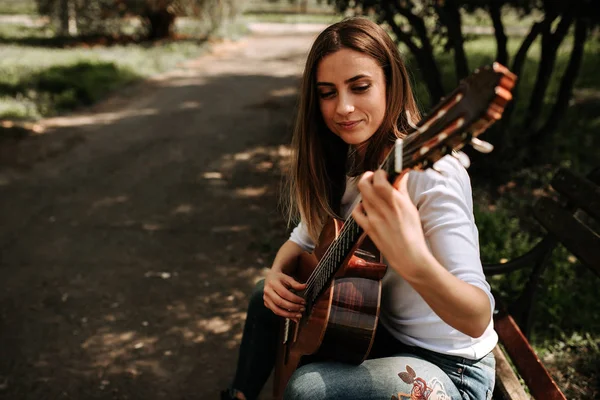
(359, 150)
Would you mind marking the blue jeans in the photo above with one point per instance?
(393, 370)
(409, 374)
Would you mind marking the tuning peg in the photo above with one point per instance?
(410, 121)
(399, 155)
(462, 158)
(481, 146)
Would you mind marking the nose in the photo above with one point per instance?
(345, 105)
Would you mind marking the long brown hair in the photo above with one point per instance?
(320, 158)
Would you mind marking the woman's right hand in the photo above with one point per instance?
(279, 298)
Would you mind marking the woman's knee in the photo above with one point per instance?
(257, 295)
(305, 384)
(256, 306)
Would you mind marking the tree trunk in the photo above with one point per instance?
(64, 17)
(449, 14)
(500, 35)
(518, 63)
(161, 24)
(303, 6)
(424, 55)
(550, 43)
(566, 85)
(502, 135)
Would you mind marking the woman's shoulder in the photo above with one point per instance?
(447, 174)
(446, 169)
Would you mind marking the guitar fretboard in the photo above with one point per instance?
(332, 261)
(340, 248)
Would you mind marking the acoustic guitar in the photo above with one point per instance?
(343, 274)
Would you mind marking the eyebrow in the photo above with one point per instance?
(353, 79)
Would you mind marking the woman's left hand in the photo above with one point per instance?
(392, 221)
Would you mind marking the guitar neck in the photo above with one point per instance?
(333, 259)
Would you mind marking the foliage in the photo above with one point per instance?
(566, 323)
(574, 359)
(424, 25)
(17, 7)
(155, 19)
(65, 87)
(44, 81)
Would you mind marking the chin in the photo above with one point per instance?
(355, 140)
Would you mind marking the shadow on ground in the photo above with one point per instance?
(127, 258)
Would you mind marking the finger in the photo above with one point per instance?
(280, 311)
(359, 216)
(401, 183)
(280, 307)
(294, 284)
(382, 186)
(283, 292)
(374, 201)
(365, 181)
(282, 302)
(274, 293)
(369, 207)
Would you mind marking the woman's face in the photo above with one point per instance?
(351, 90)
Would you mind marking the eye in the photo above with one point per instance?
(361, 88)
(326, 95)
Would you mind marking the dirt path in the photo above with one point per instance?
(128, 249)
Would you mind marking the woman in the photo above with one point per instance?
(435, 335)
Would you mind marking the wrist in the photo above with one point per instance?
(418, 268)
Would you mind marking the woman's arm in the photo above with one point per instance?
(458, 303)
(445, 276)
(286, 258)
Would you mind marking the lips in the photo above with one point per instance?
(348, 124)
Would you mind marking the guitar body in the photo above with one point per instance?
(342, 323)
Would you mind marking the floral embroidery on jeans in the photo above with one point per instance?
(422, 390)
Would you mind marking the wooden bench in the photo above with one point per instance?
(573, 220)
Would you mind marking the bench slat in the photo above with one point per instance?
(507, 386)
(576, 237)
(538, 380)
(580, 191)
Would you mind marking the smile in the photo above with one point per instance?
(348, 124)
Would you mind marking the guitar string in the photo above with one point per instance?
(326, 258)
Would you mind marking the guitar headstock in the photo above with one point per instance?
(477, 102)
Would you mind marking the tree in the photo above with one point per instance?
(419, 23)
(105, 17)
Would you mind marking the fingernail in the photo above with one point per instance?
(302, 309)
(299, 316)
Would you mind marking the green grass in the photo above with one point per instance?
(14, 7)
(41, 80)
(292, 18)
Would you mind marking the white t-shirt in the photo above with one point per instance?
(445, 205)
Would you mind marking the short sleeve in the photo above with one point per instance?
(301, 237)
